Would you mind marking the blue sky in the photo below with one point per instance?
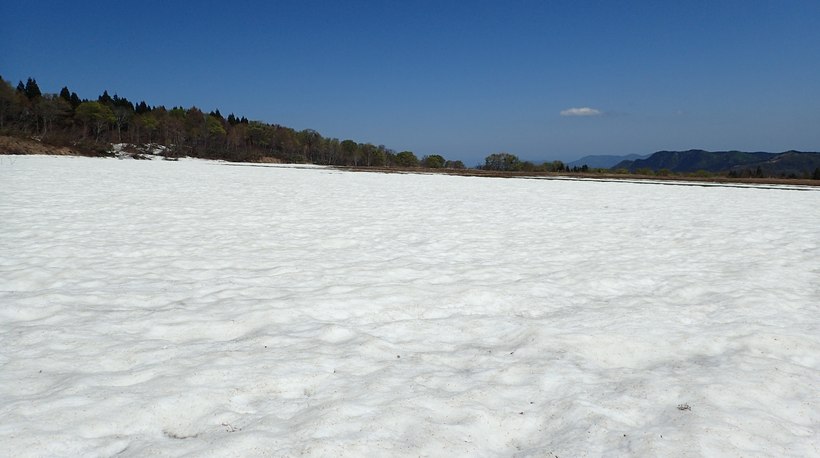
(541, 79)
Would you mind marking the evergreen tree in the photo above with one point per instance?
(105, 99)
(75, 100)
(32, 90)
(142, 108)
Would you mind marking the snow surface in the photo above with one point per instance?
(191, 307)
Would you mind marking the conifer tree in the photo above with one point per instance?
(142, 108)
(105, 99)
(75, 100)
(32, 90)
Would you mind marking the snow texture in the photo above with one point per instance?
(193, 307)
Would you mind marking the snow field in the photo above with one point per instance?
(192, 307)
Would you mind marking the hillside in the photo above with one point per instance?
(771, 164)
(13, 145)
(604, 161)
(37, 122)
(790, 163)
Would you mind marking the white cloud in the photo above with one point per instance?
(584, 111)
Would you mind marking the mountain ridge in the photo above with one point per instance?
(771, 164)
(604, 161)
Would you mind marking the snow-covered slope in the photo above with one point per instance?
(151, 307)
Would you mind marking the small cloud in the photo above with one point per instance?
(584, 111)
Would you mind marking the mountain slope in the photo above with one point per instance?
(794, 163)
(790, 162)
(604, 161)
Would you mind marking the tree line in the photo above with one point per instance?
(64, 119)
(507, 162)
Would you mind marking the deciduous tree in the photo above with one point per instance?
(407, 159)
(433, 161)
(96, 116)
(502, 161)
(51, 108)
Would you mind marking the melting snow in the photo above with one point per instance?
(191, 307)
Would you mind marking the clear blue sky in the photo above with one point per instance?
(459, 78)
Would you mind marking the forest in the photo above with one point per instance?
(91, 126)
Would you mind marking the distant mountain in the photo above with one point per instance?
(789, 163)
(604, 161)
(771, 164)
(694, 160)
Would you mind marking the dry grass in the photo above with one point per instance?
(12, 145)
(597, 176)
(16, 145)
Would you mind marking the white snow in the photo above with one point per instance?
(192, 307)
(149, 151)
